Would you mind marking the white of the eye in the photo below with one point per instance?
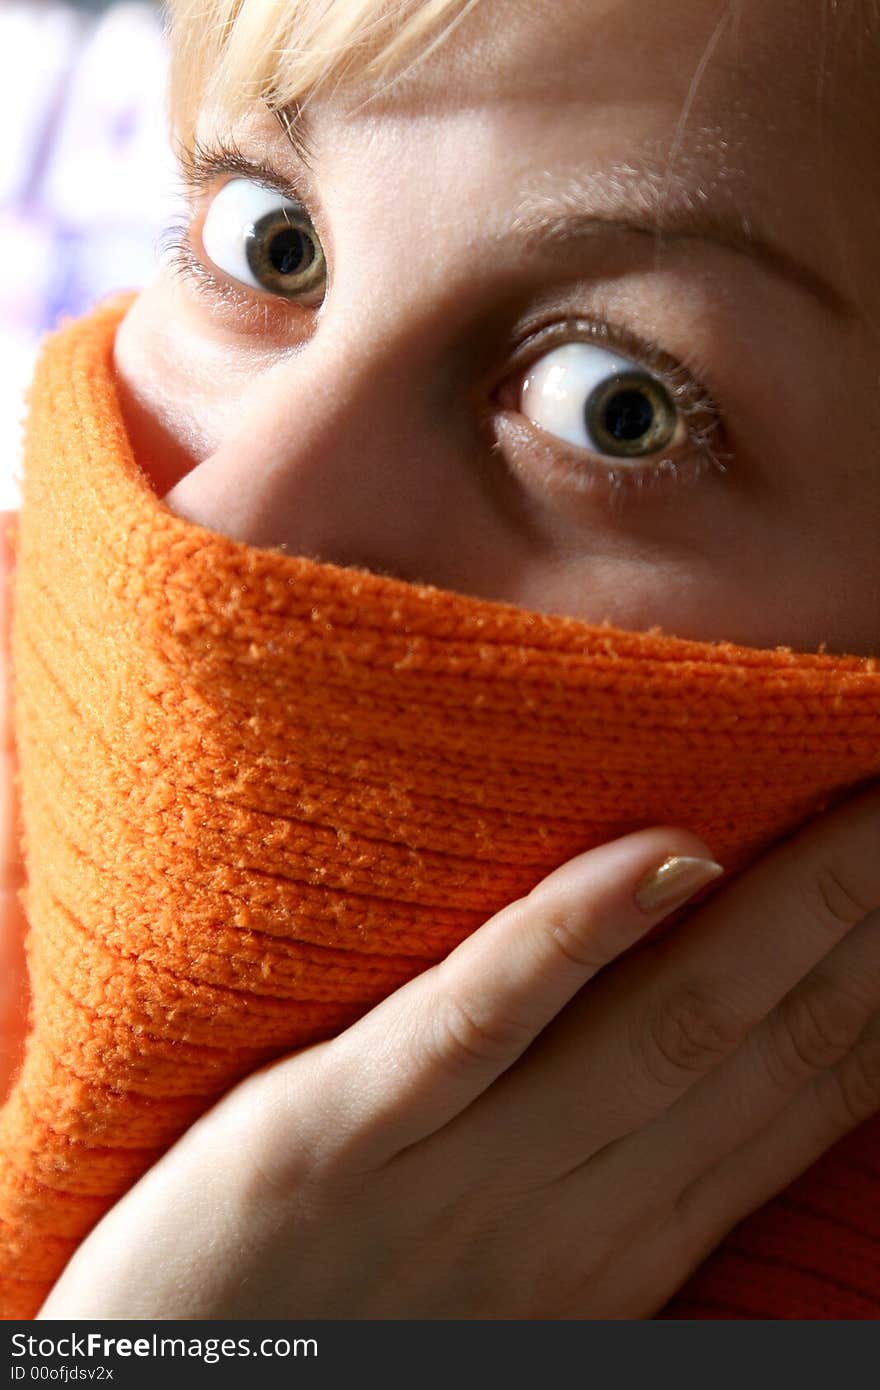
(558, 386)
(231, 217)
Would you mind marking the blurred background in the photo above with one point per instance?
(87, 182)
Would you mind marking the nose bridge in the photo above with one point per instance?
(357, 381)
(342, 451)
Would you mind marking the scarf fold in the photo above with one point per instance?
(260, 792)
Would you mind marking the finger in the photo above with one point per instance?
(823, 1112)
(669, 1015)
(433, 1047)
(814, 1028)
(12, 964)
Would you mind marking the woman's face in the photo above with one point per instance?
(597, 330)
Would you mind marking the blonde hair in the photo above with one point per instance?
(231, 55)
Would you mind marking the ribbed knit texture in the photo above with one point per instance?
(260, 792)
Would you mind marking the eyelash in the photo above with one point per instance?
(201, 166)
(253, 313)
(681, 377)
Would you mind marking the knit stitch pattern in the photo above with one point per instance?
(260, 792)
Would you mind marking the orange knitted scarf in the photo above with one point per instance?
(260, 792)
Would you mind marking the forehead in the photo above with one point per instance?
(610, 51)
(514, 46)
(767, 113)
(771, 106)
(807, 66)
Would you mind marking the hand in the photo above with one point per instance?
(545, 1125)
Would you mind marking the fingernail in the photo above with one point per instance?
(676, 880)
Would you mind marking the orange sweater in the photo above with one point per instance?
(260, 792)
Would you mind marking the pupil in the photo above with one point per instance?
(628, 415)
(290, 251)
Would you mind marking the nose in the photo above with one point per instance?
(355, 450)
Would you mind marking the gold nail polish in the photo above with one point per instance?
(676, 880)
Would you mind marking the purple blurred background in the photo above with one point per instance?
(87, 179)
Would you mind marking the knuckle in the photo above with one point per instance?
(570, 942)
(817, 1025)
(691, 1033)
(268, 1168)
(833, 902)
(858, 1081)
(465, 1036)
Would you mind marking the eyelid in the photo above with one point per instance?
(582, 468)
(203, 165)
(253, 311)
(678, 375)
(683, 379)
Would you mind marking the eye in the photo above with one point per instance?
(594, 399)
(259, 237)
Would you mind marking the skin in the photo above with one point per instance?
(454, 1156)
(345, 429)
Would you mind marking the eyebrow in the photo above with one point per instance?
(613, 201)
(624, 200)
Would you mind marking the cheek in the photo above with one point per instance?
(181, 385)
